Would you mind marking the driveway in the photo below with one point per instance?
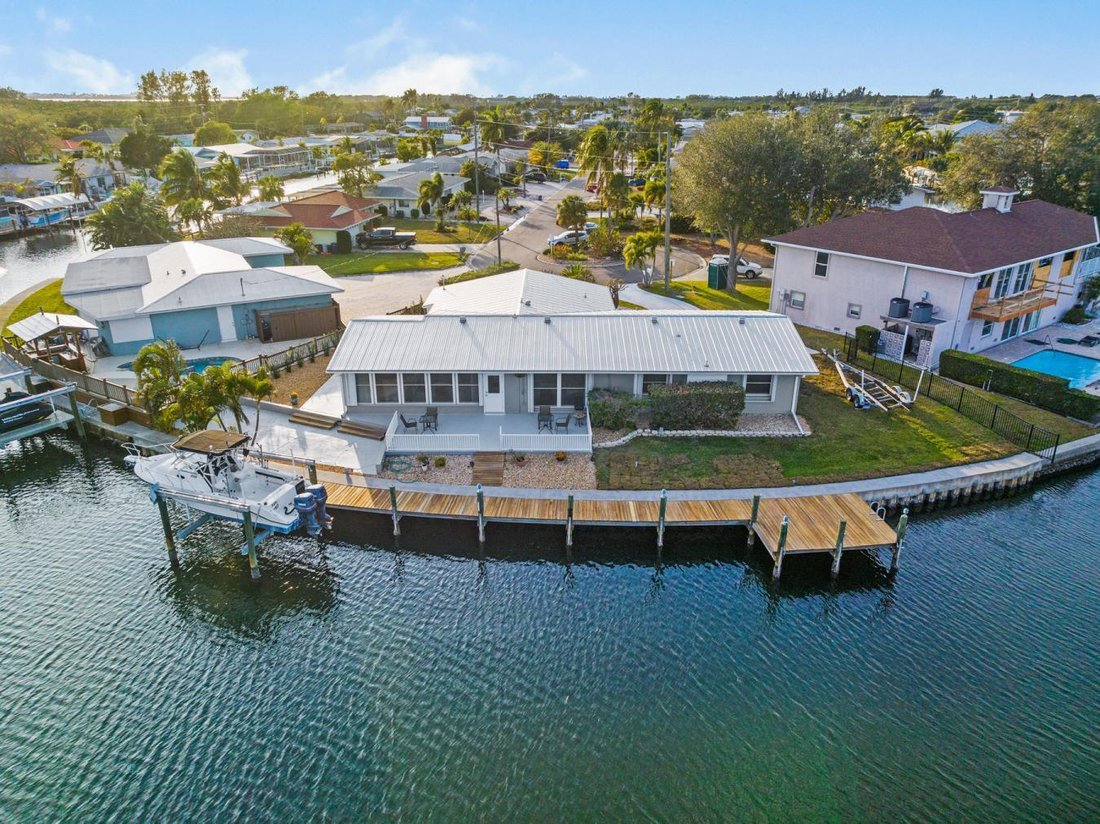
(633, 293)
(380, 294)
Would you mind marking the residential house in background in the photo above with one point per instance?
(933, 280)
(425, 122)
(522, 292)
(199, 292)
(107, 137)
(323, 214)
(400, 193)
(968, 128)
(256, 161)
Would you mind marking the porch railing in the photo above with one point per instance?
(434, 442)
(545, 442)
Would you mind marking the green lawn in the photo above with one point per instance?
(47, 299)
(487, 271)
(456, 231)
(375, 263)
(846, 443)
(696, 292)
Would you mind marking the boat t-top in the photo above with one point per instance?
(208, 472)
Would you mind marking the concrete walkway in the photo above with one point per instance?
(633, 293)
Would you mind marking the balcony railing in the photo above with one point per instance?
(1010, 306)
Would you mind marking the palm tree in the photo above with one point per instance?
(181, 177)
(259, 387)
(461, 199)
(270, 188)
(615, 195)
(596, 158)
(131, 217)
(638, 250)
(193, 212)
(494, 125)
(431, 197)
(159, 368)
(226, 181)
(67, 172)
(572, 212)
(654, 196)
(298, 238)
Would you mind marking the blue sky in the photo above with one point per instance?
(650, 48)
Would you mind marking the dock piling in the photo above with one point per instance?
(250, 541)
(393, 509)
(569, 521)
(480, 514)
(839, 548)
(661, 518)
(311, 468)
(76, 417)
(166, 522)
(752, 519)
(902, 524)
(780, 548)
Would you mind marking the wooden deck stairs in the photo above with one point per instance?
(361, 430)
(489, 468)
(314, 419)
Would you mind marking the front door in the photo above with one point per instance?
(494, 395)
(515, 394)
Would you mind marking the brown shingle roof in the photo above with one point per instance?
(325, 210)
(969, 242)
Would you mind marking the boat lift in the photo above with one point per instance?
(57, 419)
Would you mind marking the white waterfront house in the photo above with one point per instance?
(487, 375)
(933, 280)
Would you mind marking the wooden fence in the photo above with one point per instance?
(295, 354)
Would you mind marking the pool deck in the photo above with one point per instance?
(1013, 350)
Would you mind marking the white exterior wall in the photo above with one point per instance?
(128, 330)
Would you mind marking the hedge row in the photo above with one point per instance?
(703, 405)
(615, 410)
(1048, 391)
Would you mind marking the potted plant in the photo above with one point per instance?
(440, 462)
(559, 456)
(519, 457)
(422, 459)
(294, 399)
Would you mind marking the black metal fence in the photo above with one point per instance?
(962, 399)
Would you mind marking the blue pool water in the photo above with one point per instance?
(196, 365)
(1078, 370)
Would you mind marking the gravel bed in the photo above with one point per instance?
(577, 471)
(458, 470)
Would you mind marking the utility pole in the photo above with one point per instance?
(477, 173)
(668, 211)
(498, 220)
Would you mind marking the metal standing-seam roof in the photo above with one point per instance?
(523, 292)
(673, 341)
(47, 323)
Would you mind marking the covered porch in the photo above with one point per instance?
(461, 431)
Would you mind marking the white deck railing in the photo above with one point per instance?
(546, 442)
(433, 442)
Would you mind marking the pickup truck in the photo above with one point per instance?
(387, 236)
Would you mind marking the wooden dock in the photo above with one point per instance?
(829, 524)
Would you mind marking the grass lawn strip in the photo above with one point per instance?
(374, 263)
(455, 232)
(847, 444)
(46, 299)
(697, 293)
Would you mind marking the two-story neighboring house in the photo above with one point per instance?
(933, 280)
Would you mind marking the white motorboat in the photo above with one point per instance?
(208, 472)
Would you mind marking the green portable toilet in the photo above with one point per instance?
(717, 274)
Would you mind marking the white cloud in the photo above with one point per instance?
(226, 69)
(88, 73)
(434, 74)
(58, 25)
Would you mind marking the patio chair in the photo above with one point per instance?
(546, 420)
(430, 419)
(407, 424)
(580, 414)
(562, 422)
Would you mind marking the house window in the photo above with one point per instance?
(1023, 278)
(1004, 279)
(985, 281)
(443, 389)
(987, 329)
(546, 389)
(572, 390)
(385, 387)
(796, 300)
(652, 380)
(1044, 263)
(467, 387)
(821, 265)
(735, 379)
(413, 384)
(1067, 264)
(758, 388)
(362, 389)
(854, 310)
(492, 384)
(679, 380)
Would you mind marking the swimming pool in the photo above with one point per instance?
(1078, 370)
(196, 365)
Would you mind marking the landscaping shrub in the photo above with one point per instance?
(615, 410)
(703, 405)
(604, 242)
(414, 213)
(867, 337)
(1048, 391)
(343, 242)
(440, 461)
(681, 224)
(381, 210)
(1076, 315)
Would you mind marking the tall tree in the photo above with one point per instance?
(193, 213)
(159, 367)
(214, 133)
(143, 149)
(639, 250)
(131, 217)
(226, 183)
(739, 177)
(596, 159)
(69, 173)
(270, 189)
(298, 238)
(23, 135)
(430, 196)
(354, 172)
(572, 212)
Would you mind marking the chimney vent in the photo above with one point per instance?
(999, 198)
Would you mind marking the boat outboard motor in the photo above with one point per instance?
(307, 513)
(320, 494)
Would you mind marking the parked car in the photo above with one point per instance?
(385, 236)
(535, 176)
(636, 181)
(591, 226)
(570, 238)
(745, 268)
(18, 416)
(591, 187)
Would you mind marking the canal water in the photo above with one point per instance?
(429, 682)
(28, 261)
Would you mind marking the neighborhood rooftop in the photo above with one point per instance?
(617, 341)
(966, 242)
(523, 292)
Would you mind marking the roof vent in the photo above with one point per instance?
(462, 320)
(741, 321)
(546, 320)
(653, 321)
(999, 198)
